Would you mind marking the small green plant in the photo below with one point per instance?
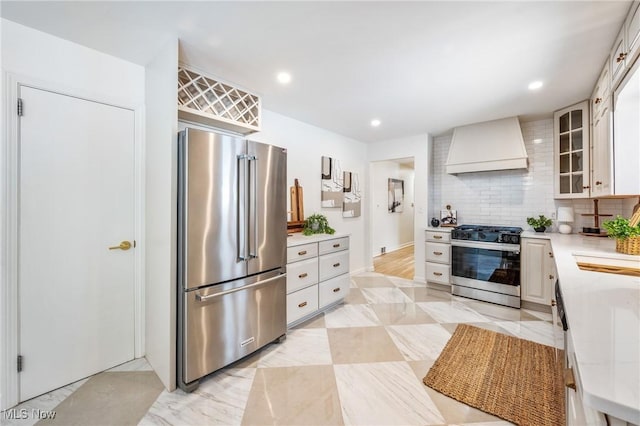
(620, 229)
(317, 224)
(539, 222)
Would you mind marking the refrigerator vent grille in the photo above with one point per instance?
(207, 100)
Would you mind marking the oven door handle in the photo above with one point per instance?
(486, 246)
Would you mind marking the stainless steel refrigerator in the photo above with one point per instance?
(232, 231)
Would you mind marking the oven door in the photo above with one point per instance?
(490, 262)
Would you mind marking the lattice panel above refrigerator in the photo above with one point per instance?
(206, 100)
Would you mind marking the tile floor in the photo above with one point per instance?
(360, 363)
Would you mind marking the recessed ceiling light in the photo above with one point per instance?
(535, 85)
(375, 122)
(284, 77)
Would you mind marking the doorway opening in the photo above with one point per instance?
(392, 217)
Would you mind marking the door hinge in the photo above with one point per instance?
(20, 107)
(19, 363)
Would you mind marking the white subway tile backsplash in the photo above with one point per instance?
(509, 197)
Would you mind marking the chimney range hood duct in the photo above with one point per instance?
(491, 145)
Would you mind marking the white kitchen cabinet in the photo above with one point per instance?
(602, 89)
(602, 150)
(626, 47)
(317, 274)
(538, 271)
(571, 151)
(438, 256)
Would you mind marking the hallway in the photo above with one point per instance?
(398, 263)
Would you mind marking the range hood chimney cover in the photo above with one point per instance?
(492, 145)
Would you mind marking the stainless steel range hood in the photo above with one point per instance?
(491, 145)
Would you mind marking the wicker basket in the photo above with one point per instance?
(629, 245)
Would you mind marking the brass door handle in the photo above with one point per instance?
(125, 245)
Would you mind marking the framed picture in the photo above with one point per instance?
(351, 206)
(396, 195)
(331, 183)
(448, 217)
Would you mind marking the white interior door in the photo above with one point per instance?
(76, 199)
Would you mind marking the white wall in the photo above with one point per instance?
(305, 145)
(417, 147)
(160, 217)
(49, 62)
(508, 197)
(391, 230)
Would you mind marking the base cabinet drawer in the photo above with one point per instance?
(439, 253)
(334, 264)
(333, 290)
(301, 303)
(302, 274)
(301, 252)
(438, 273)
(331, 246)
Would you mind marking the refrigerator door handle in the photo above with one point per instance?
(208, 297)
(242, 209)
(253, 207)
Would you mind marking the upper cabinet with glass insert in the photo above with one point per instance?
(571, 151)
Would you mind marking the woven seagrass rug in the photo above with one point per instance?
(511, 378)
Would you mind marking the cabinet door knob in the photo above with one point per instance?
(598, 182)
(550, 254)
(621, 57)
(585, 187)
(598, 100)
(551, 277)
(553, 302)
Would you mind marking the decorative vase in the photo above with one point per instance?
(540, 229)
(315, 226)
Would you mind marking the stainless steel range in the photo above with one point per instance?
(485, 263)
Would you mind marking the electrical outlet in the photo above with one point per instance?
(383, 250)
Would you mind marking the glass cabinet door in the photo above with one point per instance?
(571, 148)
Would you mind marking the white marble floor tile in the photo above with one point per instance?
(220, 399)
(351, 316)
(385, 393)
(542, 315)
(403, 282)
(537, 331)
(139, 364)
(40, 404)
(452, 312)
(385, 295)
(419, 341)
(305, 346)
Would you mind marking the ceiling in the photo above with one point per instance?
(418, 67)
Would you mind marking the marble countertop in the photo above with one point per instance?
(297, 238)
(440, 228)
(603, 312)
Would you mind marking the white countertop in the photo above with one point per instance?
(440, 228)
(297, 238)
(603, 312)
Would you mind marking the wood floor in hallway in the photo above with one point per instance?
(398, 263)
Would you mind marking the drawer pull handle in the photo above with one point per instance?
(551, 277)
(335, 265)
(337, 289)
(437, 237)
(437, 253)
(336, 245)
(302, 305)
(569, 380)
(303, 275)
(437, 274)
(550, 254)
(302, 253)
(621, 57)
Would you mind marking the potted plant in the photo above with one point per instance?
(540, 223)
(317, 224)
(626, 235)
